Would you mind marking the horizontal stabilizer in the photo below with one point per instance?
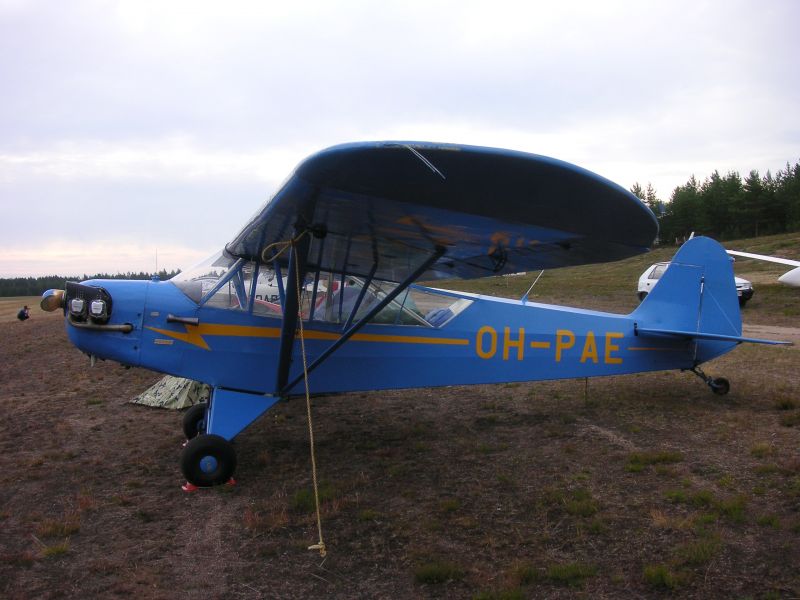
(697, 335)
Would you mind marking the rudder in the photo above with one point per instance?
(695, 295)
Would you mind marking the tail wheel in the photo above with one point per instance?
(642, 296)
(720, 386)
(208, 460)
(194, 421)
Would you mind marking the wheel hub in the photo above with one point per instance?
(208, 464)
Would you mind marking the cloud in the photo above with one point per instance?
(77, 258)
(148, 121)
(175, 158)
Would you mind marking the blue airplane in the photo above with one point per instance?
(319, 289)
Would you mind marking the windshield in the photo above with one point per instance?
(197, 281)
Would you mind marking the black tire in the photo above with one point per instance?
(194, 421)
(742, 301)
(642, 296)
(208, 460)
(720, 386)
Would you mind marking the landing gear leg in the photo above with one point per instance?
(720, 386)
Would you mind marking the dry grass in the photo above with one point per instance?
(612, 287)
(9, 307)
(650, 485)
(64, 527)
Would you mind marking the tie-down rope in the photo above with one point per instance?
(292, 243)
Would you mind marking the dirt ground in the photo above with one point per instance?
(637, 486)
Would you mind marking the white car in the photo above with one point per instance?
(651, 275)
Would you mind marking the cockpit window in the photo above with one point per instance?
(223, 281)
(423, 307)
(658, 271)
(201, 279)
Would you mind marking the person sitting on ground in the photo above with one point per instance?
(24, 313)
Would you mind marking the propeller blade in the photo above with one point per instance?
(52, 300)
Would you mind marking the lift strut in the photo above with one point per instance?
(355, 327)
(297, 273)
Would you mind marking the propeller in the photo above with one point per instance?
(52, 300)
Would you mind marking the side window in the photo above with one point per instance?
(658, 271)
(267, 300)
(225, 297)
(232, 294)
(223, 281)
(216, 281)
(416, 306)
(435, 307)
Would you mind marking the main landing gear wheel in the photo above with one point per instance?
(194, 421)
(208, 460)
(720, 386)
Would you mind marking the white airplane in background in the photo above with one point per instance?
(791, 278)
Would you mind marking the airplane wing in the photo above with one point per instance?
(791, 278)
(382, 208)
(775, 259)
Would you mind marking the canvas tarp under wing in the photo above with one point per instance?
(175, 393)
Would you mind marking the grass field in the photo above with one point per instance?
(9, 307)
(644, 486)
(612, 287)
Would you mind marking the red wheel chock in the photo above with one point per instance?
(190, 487)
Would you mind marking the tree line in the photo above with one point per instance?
(727, 207)
(36, 286)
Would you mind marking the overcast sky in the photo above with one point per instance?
(130, 129)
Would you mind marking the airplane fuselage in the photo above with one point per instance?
(491, 340)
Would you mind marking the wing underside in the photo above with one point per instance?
(385, 208)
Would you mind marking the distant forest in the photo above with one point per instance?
(726, 207)
(36, 286)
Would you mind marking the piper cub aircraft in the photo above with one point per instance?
(345, 240)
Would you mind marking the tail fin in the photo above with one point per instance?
(695, 299)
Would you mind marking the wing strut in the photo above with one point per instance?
(348, 333)
(297, 273)
(360, 299)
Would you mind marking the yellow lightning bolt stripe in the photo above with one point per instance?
(194, 335)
